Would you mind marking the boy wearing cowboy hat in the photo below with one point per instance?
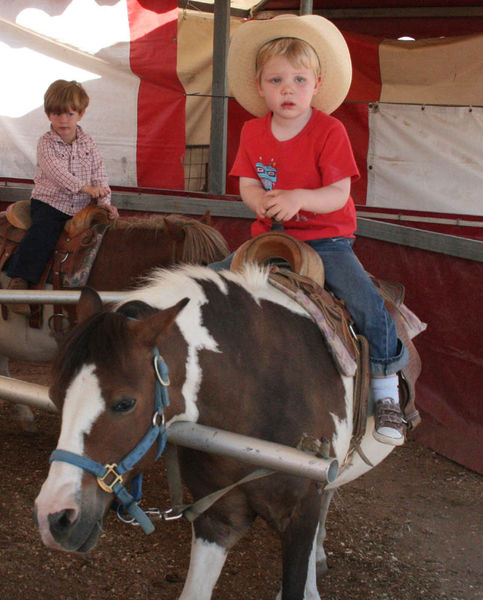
(295, 165)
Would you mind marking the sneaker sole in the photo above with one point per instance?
(384, 439)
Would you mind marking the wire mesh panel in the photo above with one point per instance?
(196, 168)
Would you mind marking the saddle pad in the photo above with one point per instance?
(344, 360)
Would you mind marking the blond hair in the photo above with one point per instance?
(63, 96)
(298, 52)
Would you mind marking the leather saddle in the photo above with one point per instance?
(302, 278)
(72, 259)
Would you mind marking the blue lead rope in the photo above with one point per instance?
(114, 473)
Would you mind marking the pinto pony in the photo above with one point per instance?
(241, 356)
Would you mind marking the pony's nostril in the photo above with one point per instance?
(62, 520)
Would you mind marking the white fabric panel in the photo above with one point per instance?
(426, 158)
(76, 39)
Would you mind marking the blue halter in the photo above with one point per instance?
(110, 476)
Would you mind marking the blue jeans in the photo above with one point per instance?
(35, 249)
(347, 279)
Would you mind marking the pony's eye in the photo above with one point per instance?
(124, 404)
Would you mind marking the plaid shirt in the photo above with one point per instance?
(63, 169)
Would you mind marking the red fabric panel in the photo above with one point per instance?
(237, 115)
(161, 101)
(444, 292)
(355, 118)
(366, 77)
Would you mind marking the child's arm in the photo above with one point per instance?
(100, 194)
(95, 191)
(253, 193)
(283, 205)
(100, 188)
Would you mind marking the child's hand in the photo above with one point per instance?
(95, 191)
(112, 210)
(281, 205)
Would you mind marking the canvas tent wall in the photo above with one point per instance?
(414, 114)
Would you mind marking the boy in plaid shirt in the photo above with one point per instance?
(70, 173)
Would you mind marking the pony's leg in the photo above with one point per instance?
(206, 562)
(299, 552)
(213, 536)
(311, 591)
(24, 414)
(321, 557)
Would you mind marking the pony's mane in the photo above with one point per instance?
(165, 287)
(200, 239)
(98, 339)
(152, 222)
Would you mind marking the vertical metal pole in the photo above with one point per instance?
(219, 101)
(306, 7)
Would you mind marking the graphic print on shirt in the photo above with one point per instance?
(267, 174)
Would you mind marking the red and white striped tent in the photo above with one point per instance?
(414, 114)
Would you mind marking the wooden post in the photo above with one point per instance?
(306, 7)
(219, 101)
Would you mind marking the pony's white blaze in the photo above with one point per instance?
(206, 562)
(82, 406)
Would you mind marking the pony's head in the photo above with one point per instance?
(105, 385)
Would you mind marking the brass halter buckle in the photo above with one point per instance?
(111, 471)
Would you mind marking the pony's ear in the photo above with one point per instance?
(89, 304)
(150, 328)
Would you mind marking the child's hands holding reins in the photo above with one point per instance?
(98, 192)
(112, 210)
(281, 205)
(95, 191)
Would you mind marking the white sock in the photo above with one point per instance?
(385, 387)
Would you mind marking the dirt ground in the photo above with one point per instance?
(411, 529)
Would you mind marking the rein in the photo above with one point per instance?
(110, 476)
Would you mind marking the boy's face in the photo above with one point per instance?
(64, 124)
(287, 89)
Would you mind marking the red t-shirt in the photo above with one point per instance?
(318, 156)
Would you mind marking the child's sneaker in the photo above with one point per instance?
(17, 283)
(389, 426)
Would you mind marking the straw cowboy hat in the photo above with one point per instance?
(321, 34)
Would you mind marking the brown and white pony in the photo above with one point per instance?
(242, 357)
(130, 249)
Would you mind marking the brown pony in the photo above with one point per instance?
(240, 356)
(130, 249)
